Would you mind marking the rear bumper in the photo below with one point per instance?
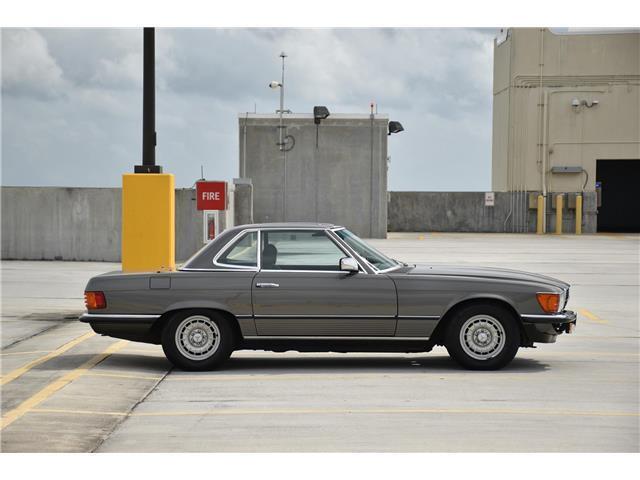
(138, 328)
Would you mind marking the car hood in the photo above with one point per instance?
(483, 272)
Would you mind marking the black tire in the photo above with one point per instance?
(213, 332)
(490, 340)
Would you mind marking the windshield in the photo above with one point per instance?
(370, 254)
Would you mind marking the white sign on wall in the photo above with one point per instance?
(489, 199)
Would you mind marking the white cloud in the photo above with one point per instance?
(27, 66)
(73, 97)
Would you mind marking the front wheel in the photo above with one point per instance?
(197, 340)
(483, 337)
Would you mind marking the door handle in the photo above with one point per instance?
(267, 285)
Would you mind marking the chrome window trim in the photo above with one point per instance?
(230, 244)
(350, 251)
(374, 269)
(324, 337)
(234, 270)
(327, 233)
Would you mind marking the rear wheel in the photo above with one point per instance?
(197, 340)
(483, 337)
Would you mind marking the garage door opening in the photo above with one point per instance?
(620, 204)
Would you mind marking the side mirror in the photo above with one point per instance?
(348, 264)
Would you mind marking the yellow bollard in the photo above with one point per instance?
(148, 222)
(540, 224)
(559, 201)
(578, 214)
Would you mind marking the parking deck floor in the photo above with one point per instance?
(66, 389)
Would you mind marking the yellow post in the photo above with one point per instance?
(578, 214)
(540, 221)
(148, 222)
(559, 201)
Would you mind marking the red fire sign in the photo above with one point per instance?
(211, 195)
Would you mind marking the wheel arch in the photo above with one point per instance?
(439, 333)
(160, 324)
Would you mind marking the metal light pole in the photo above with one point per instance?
(148, 106)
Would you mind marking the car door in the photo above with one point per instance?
(300, 290)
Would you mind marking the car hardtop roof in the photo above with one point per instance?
(287, 225)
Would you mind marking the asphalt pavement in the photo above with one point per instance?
(66, 389)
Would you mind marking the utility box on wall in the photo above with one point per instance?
(334, 171)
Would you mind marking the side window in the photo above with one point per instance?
(243, 253)
(299, 250)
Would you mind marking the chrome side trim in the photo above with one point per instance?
(418, 317)
(102, 316)
(311, 337)
(326, 316)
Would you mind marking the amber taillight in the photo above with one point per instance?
(95, 300)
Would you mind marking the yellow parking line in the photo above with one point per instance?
(25, 353)
(592, 317)
(9, 377)
(123, 375)
(348, 411)
(53, 387)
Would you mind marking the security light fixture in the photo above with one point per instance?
(320, 113)
(395, 127)
(576, 103)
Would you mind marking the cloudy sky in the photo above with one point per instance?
(72, 99)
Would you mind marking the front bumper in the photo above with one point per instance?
(545, 328)
(566, 316)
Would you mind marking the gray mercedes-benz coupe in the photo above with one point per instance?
(318, 287)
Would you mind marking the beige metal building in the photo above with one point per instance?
(566, 117)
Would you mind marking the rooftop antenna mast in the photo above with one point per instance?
(281, 111)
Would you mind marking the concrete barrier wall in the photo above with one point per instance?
(466, 212)
(56, 223)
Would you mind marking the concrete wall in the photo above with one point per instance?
(533, 114)
(340, 178)
(466, 212)
(49, 223)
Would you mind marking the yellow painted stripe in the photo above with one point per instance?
(592, 317)
(53, 387)
(123, 375)
(347, 411)
(25, 353)
(9, 377)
